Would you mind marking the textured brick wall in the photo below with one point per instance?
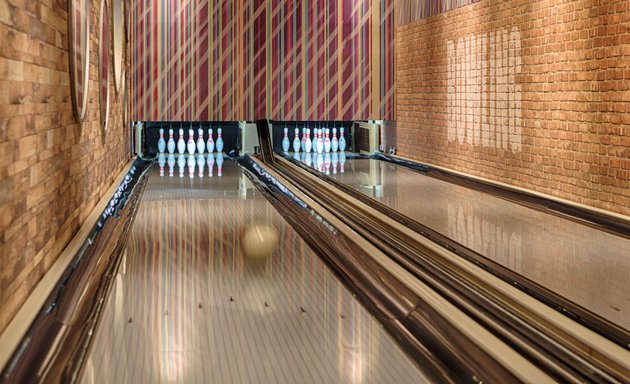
(52, 171)
(531, 93)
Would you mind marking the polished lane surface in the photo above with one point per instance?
(187, 306)
(585, 265)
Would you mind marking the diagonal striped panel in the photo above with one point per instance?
(250, 59)
(408, 11)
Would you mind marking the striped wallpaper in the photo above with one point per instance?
(250, 59)
(408, 11)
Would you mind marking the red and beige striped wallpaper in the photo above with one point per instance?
(251, 59)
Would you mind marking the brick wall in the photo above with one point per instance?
(52, 171)
(531, 93)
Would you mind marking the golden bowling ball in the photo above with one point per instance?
(259, 241)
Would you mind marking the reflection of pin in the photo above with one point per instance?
(171, 142)
(335, 161)
(219, 141)
(201, 146)
(181, 163)
(296, 156)
(327, 163)
(181, 144)
(171, 164)
(210, 143)
(161, 142)
(342, 160)
(211, 164)
(307, 159)
(201, 162)
(296, 141)
(320, 162)
(220, 163)
(161, 162)
(334, 143)
(191, 165)
(191, 142)
(285, 140)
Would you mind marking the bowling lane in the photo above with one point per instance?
(187, 306)
(585, 265)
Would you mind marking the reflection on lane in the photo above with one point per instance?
(587, 266)
(187, 305)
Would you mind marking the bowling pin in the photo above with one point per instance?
(181, 144)
(307, 142)
(210, 143)
(320, 141)
(170, 146)
(191, 142)
(171, 164)
(219, 141)
(285, 140)
(161, 162)
(201, 163)
(161, 142)
(342, 141)
(219, 162)
(191, 166)
(296, 141)
(334, 143)
(303, 141)
(326, 141)
(181, 163)
(211, 164)
(201, 145)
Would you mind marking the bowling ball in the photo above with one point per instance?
(259, 241)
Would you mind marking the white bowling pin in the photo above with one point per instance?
(320, 141)
(181, 163)
(161, 142)
(201, 163)
(285, 141)
(170, 146)
(211, 164)
(220, 163)
(171, 164)
(307, 142)
(210, 143)
(326, 141)
(334, 143)
(303, 141)
(192, 147)
(296, 141)
(181, 144)
(342, 141)
(219, 141)
(201, 145)
(161, 162)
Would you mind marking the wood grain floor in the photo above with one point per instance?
(188, 307)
